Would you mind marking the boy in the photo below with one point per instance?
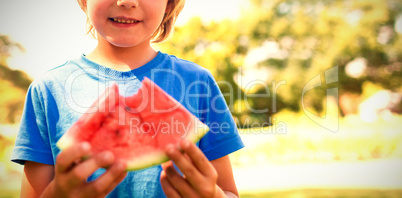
(124, 30)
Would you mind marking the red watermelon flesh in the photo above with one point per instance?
(137, 128)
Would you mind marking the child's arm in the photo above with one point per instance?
(36, 177)
(202, 178)
(68, 177)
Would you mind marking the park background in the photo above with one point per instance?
(314, 86)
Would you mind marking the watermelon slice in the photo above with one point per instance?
(137, 128)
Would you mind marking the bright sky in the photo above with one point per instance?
(54, 31)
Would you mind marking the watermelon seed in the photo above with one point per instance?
(131, 110)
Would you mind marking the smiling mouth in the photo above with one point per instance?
(125, 21)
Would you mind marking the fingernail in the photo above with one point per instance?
(121, 166)
(85, 146)
(170, 149)
(107, 156)
(186, 143)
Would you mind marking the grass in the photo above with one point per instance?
(297, 140)
(9, 194)
(326, 193)
(292, 139)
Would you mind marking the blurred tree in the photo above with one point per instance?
(325, 34)
(218, 46)
(292, 41)
(13, 84)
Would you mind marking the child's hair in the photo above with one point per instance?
(163, 31)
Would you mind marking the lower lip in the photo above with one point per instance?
(124, 25)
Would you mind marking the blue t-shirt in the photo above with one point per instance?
(57, 100)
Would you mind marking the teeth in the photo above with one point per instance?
(124, 20)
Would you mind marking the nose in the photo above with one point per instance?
(128, 3)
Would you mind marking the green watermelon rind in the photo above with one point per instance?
(199, 129)
(151, 159)
(65, 142)
(160, 157)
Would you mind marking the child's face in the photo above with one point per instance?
(126, 23)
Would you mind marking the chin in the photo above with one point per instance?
(125, 43)
(122, 43)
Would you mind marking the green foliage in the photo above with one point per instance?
(311, 36)
(328, 193)
(13, 85)
(301, 141)
(6, 44)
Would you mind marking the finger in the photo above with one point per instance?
(117, 181)
(113, 185)
(82, 171)
(178, 182)
(183, 162)
(165, 165)
(109, 180)
(198, 158)
(168, 189)
(67, 158)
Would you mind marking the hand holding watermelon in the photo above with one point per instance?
(71, 173)
(143, 124)
(136, 130)
(200, 177)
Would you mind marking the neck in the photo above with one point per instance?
(121, 58)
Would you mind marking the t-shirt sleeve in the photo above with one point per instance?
(223, 137)
(32, 143)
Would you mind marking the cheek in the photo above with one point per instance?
(156, 9)
(157, 18)
(96, 11)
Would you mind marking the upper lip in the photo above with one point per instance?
(124, 19)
